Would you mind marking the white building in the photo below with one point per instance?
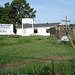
(37, 29)
(6, 29)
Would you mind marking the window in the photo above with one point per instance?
(35, 30)
(47, 30)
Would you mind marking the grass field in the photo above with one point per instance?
(31, 47)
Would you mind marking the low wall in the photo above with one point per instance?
(59, 33)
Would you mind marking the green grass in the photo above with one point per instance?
(31, 47)
(28, 47)
(43, 68)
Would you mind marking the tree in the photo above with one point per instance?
(14, 12)
(7, 5)
(7, 15)
(22, 10)
(1, 12)
(72, 25)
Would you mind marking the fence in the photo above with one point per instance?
(56, 65)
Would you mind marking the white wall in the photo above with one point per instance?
(30, 31)
(6, 29)
(19, 31)
(25, 32)
(42, 31)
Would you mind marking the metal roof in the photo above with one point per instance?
(39, 25)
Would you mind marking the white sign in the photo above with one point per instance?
(27, 21)
(6, 29)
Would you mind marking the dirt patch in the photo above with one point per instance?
(11, 39)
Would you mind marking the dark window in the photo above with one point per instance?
(47, 30)
(35, 30)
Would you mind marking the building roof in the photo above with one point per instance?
(39, 25)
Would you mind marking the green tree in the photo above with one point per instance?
(1, 12)
(22, 10)
(8, 14)
(72, 25)
(7, 5)
(14, 12)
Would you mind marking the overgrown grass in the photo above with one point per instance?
(22, 40)
(47, 67)
(9, 45)
(31, 47)
(10, 40)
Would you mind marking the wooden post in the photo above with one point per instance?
(66, 21)
(70, 40)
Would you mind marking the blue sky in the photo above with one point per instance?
(51, 11)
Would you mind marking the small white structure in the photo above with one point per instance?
(28, 28)
(64, 38)
(6, 29)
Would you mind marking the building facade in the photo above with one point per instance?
(38, 29)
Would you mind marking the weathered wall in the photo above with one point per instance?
(52, 31)
(61, 31)
(74, 32)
